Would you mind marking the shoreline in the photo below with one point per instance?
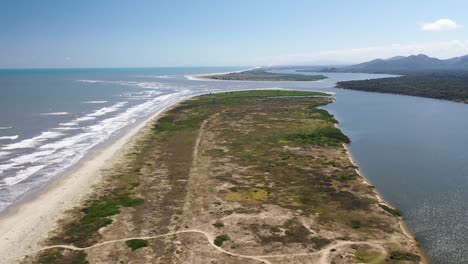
(401, 221)
(28, 222)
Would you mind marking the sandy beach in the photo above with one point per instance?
(23, 226)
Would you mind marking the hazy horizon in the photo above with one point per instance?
(110, 34)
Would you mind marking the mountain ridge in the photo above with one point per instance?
(405, 64)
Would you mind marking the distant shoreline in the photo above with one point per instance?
(257, 75)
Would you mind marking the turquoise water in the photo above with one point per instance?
(414, 150)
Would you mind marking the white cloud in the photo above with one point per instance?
(440, 25)
(444, 49)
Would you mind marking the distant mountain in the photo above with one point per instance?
(395, 58)
(413, 63)
(461, 62)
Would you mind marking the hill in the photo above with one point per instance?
(444, 85)
(409, 64)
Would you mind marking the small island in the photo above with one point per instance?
(236, 177)
(263, 75)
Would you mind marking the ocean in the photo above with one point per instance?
(50, 119)
(414, 150)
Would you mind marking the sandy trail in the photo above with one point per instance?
(324, 253)
(208, 236)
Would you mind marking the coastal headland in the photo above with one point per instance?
(251, 177)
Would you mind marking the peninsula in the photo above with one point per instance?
(235, 177)
(263, 75)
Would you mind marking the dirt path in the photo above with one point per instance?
(324, 253)
(207, 236)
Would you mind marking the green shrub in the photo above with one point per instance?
(325, 136)
(333, 133)
(218, 225)
(393, 211)
(219, 240)
(135, 244)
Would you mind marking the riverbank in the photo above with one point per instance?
(261, 175)
(404, 228)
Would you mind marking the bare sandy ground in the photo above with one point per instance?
(26, 224)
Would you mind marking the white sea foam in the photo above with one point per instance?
(5, 128)
(67, 127)
(53, 156)
(69, 124)
(106, 110)
(33, 142)
(82, 119)
(95, 114)
(4, 167)
(90, 81)
(21, 175)
(32, 157)
(146, 85)
(162, 76)
(9, 137)
(54, 114)
(95, 102)
(67, 142)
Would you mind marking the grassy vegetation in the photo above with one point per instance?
(289, 152)
(55, 256)
(219, 240)
(95, 216)
(294, 232)
(392, 211)
(369, 257)
(264, 75)
(126, 201)
(135, 244)
(324, 136)
(248, 195)
(293, 123)
(404, 256)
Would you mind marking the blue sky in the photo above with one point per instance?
(144, 33)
